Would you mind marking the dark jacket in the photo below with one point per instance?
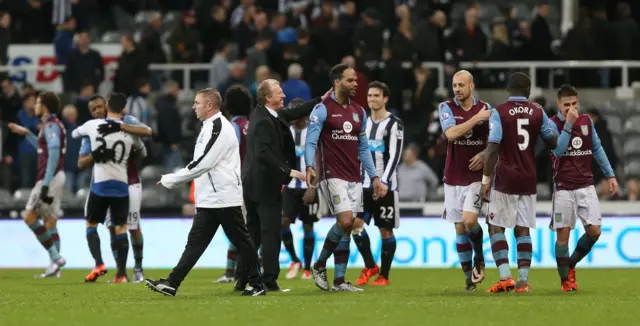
(270, 154)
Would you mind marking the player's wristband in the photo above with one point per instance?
(486, 180)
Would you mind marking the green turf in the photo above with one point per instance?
(415, 297)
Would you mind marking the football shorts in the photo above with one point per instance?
(56, 189)
(569, 205)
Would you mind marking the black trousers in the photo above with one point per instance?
(264, 224)
(205, 225)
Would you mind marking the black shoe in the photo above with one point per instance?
(471, 287)
(240, 286)
(254, 291)
(272, 287)
(162, 285)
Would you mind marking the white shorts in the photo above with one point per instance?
(135, 202)
(568, 205)
(458, 199)
(342, 196)
(509, 211)
(56, 188)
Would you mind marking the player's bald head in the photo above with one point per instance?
(464, 75)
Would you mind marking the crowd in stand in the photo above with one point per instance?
(294, 41)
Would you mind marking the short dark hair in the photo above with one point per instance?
(141, 82)
(27, 96)
(519, 84)
(295, 101)
(117, 102)
(237, 101)
(381, 86)
(51, 101)
(96, 97)
(566, 90)
(337, 71)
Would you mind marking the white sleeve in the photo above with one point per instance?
(395, 150)
(80, 131)
(214, 151)
(139, 146)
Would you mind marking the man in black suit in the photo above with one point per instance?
(268, 164)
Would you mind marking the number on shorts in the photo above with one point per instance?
(133, 218)
(524, 133)
(118, 143)
(476, 202)
(386, 213)
(313, 209)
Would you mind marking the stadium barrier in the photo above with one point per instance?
(36, 63)
(423, 242)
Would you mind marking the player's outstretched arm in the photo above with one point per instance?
(215, 150)
(20, 130)
(137, 130)
(491, 153)
(301, 110)
(550, 137)
(316, 122)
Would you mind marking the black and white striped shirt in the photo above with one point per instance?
(300, 138)
(385, 143)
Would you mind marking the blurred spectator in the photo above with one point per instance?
(10, 100)
(416, 178)
(348, 19)
(184, 40)
(468, 42)
(237, 76)
(368, 38)
(606, 139)
(509, 17)
(306, 55)
(84, 65)
(5, 37)
(602, 33)
(262, 73)
(238, 14)
(28, 89)
(402, 49)
(257, 56)
(294, 86)
(27, 153)
(363, 82)
(63, 41)
(169, 125)
(523, 47)
(132, 65)
(626, 33)
(70, 121)
(138, 105)
(499, 50)
(541, 39)
(219, 65)
(417, 117)
(61, 11)
(243, 33)
(216, 32)
(87, 90)
(151, 39)
(428, 37)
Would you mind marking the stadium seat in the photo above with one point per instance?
(151, 174)
(111, 37)
(631, 147)
(632, 170)
(5, 198)
(21, 196)
(438, 195)
(632, 126)
(543, 190)
(614, 124)
(155, 197)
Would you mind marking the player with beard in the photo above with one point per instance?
(337, 130)
(509, 178)
(385, 133)
(464, 123)
(575, 195)
(44, 200)
(98, 110)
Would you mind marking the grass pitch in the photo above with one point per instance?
(415, 297)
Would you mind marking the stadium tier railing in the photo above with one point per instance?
(531, 66)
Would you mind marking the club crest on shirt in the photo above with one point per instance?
(356, 117)
(585, 130)
(469, 134)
